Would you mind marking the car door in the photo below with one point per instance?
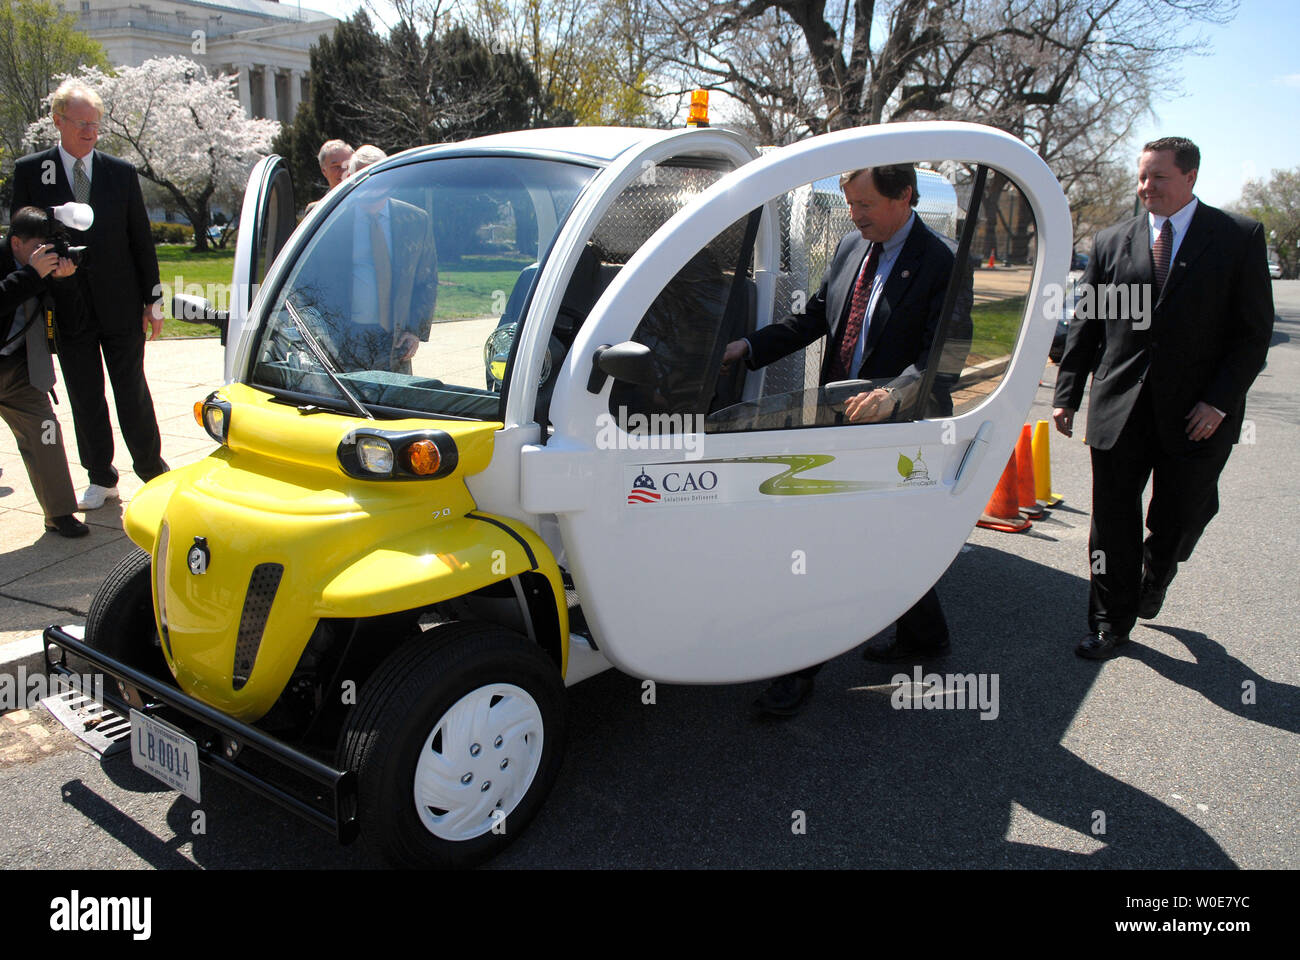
(724, 545)
(266, 220)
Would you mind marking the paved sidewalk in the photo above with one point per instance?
(45, 578)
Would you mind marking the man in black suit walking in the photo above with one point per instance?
(113, 298)
(879, 308)
(1169, 388)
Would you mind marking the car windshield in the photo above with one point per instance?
(396, 292)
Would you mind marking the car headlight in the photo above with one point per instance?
(496, 353)
(397, 455)
(213, 415)
(375, 455)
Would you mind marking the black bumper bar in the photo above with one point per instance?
(334, 808)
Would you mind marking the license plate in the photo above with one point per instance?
(166, 753)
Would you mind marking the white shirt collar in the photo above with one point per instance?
(1179, 220)
(890, 246)
(69, 162)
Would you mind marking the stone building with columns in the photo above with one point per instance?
(267, 43)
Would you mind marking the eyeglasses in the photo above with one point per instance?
(80, 125)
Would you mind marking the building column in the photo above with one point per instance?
(270, 105)
(295, 93)
(245, 87)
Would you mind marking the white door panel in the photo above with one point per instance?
(266, 219)
(800, 543)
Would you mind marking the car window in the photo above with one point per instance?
(397, 290)
(927, 368)
(639, 210)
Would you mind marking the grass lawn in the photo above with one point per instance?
(179, 267)
(996, 326)
(476, 286)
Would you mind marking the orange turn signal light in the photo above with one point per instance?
(198, 412)
(423, 458)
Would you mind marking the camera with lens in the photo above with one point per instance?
(74, 216)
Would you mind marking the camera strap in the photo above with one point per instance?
(37, 314)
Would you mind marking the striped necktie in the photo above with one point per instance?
(80, 182)
(1160, 252)
(842, 364)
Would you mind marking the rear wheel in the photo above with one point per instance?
(456, 740)
(121, 622)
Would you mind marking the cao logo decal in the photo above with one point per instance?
(198, 557)
(643, 489)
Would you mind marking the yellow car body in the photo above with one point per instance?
(349, 548)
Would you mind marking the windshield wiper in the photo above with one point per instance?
(323, 359)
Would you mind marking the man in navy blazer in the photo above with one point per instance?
(904, 309)
(111, 302)
(1169, 383)
(879, 308)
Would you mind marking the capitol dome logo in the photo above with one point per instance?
(643, 490)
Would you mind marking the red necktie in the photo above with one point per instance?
(1164, 246)
(841, 367)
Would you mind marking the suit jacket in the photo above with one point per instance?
(1206, 339)
(119, 275)
(905, 320)
(414, 264)
(23, 287)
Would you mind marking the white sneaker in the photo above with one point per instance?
(95, 497)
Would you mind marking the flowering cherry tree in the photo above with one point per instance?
(182, 129)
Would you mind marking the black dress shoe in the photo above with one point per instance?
(66, 526)
(1100, 645)
(785, 696)
(1150, 599)
(892, 650)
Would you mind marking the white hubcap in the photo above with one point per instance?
(478, 762)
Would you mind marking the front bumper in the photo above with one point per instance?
(300, 783)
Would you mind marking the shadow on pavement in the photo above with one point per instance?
(1224, 680)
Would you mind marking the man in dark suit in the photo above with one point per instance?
(26, 373)
(113, 299)
(1169, 388)
(373, 281)
(879, 308)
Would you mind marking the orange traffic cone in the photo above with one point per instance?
(1024, 458)
(992, 262)
(1003, 510)
(1043, 466)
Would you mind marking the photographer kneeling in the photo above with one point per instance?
(26, 372)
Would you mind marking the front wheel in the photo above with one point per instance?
(456, 740)
(121, 624)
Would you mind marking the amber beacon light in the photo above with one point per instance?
(699, 115)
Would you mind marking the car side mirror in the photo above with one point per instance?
(192, 309)
(628, 361)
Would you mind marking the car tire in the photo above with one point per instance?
(121, 623)
(456, 740)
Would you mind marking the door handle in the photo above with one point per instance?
(978, 446)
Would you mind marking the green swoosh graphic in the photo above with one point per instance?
(789, 484)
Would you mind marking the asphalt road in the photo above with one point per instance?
(1183, 753)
